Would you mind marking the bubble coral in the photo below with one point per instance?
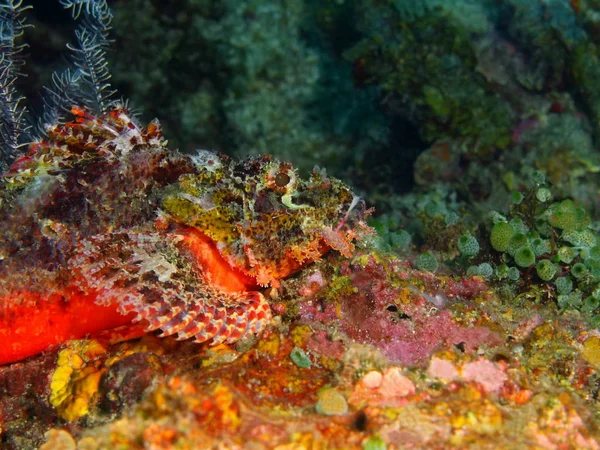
(567, 216)
(468, 245)
(427, 262)
(545, 269)
(524, 257)
(501, 235)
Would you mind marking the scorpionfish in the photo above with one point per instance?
(104, 228)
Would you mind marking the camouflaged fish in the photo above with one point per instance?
(104, 227)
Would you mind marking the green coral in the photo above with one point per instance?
(516, 242)
(389, 237)
(564, 285)
(579, 270)
(513, 273)
(567, 216)
(556, 238)
(541, 246)
(566, 254)
(427, 262)
(468, 245)
(524, 257)
(543, 195)
(545, 269)
(501, 236)
(484, 270)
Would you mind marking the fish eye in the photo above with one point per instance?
(282, 179)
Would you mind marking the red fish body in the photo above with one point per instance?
(103, 226)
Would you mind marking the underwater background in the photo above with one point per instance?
(469, 318)
(440, 98)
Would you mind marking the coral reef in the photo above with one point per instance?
(454, 383)
(151, 298)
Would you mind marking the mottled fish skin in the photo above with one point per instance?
(102, 225)
(165, 302)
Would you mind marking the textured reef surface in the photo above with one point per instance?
(363, 351)
(416, 266)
